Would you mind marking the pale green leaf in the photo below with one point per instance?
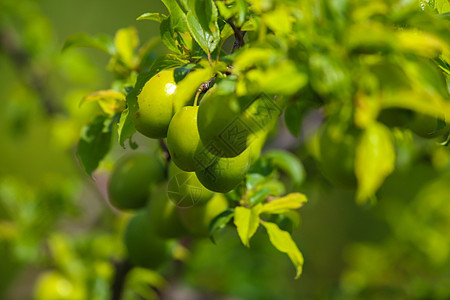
(152, 17)
(126, 129)
(288, 163)
(126, 41)
(251, 57)
(289, 202)
(374, 159)
(110, 101)
(100, 42)
(283, 242)
(279, 20)
(247, 222)
(442, 6)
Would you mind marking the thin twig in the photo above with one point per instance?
(238, 35)
(122, 268)
(165, 150)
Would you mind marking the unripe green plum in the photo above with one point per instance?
(395, 117)
(52, 285)
(226, 172)
(155, 104)
(144, 248)
(183, 140)
(228, 124)
(426, 126)
(184, 188)
(337, 155)
(132, 179)
(164, 217)
(198, 218)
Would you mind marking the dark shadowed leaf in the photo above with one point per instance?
(94, 144)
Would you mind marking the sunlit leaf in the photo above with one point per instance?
(247, 222)
(202, 24)
(152, 17)
(287, 162)
(100, 42)
(289, 202)
(126, 41)
(374, 161)
(283, 242)
(110, 101)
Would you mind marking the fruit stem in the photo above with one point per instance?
(196, 96)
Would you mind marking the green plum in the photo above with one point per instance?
(155, 104)
(183, 140)
(427, 126)
(228, 124)
(198, 218)
(164, 217)
(185, 189)
(226, 172)
(132, 179)
(395, 117)
(144, 248)
(337, 155)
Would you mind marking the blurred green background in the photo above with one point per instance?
(57, 228)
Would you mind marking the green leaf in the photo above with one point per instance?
(187, 87)
(273, 81)
(126, 41)
(126, 129)
(202, 24)
(442, 6)
(252, 57)
(219, 222)
(241, 12)
(167, 36)
(168, 61)
(258, 196)
(293, 118)
(279, 20)
(110, 101)
(283, 242)
(247, 222)
(94, 143)
(100, 42)
(253, 180)
(275, 187)
(281, 205)
(287, 162)
(177, 15)
(294, 216)
(374, 159)
(152, 17)
(181, 72)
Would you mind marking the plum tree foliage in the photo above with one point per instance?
(233, 70)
